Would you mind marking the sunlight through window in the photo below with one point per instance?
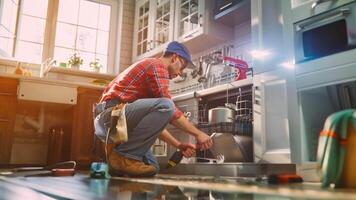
(31, 28)
(82, 27)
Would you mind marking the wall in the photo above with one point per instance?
(126, 39)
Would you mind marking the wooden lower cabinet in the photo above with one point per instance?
(83, 128)
(8, 101)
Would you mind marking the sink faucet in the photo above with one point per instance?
(46, 66)
(213, 59)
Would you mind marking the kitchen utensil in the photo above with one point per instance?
(221, 114)
(178, 156)
(234, 148)
(219, 159)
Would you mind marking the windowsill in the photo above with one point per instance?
(10, 62)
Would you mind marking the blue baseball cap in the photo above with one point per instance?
(182, 51)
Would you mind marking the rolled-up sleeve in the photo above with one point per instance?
(158, 78)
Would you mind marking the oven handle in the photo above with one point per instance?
(324, 18)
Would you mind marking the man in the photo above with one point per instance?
(149, 108)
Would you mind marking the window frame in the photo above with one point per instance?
(1, 8)
(50, 31)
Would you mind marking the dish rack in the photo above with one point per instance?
(213, 81)
(235, 128)
(243, 106)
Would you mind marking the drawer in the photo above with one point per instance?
(7, 107)
(8, 86)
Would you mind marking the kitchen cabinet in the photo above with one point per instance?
(159, 22)
(272, 97)
(195, 25)
(83, 128)
(141, 28)
(271, 34)
(162, 25)
(153, 27)
(189, 20)
(8, 101)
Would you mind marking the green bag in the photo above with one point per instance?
(332, 146)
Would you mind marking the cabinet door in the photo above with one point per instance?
(6, 134)
(83, 128)
(163, 23)
(271, 131)
(8, 101)
(142, 29)
(189, 18)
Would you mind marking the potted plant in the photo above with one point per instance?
(75, 61)
(96, 65)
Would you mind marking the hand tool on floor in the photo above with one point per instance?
(178, 156)
(283, 178)
(58, 169)
(273, 179)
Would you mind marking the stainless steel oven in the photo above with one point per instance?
(327, 33)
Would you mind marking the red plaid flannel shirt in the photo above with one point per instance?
(148, 78)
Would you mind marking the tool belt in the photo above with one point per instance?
(110, 121)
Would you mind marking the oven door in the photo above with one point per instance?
(325, 34)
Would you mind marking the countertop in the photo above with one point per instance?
(50, 81)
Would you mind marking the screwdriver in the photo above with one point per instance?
(178, 156)
(174, 159)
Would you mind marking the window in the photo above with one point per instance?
(31, 28)
(8, 18)
(85, 27)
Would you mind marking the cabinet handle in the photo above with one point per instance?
(257, 102)
(6, 94)
(201, 20)
(150, 45)
(190, 35)
(4, 120)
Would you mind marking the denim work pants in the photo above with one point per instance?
(145, 118)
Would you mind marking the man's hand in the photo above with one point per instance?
(187, 149)
(204, 141)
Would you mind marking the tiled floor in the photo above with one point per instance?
(159, 187)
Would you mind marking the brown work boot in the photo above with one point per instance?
(120, 165)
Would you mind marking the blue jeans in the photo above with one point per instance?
(146, 119)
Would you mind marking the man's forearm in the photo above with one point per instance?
(168, 138)
(184, 124)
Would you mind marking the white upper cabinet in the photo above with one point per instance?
(141, 27)
(195, 25)
(189, 20)
(163, 25)
(158, 22)
(153, 27)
